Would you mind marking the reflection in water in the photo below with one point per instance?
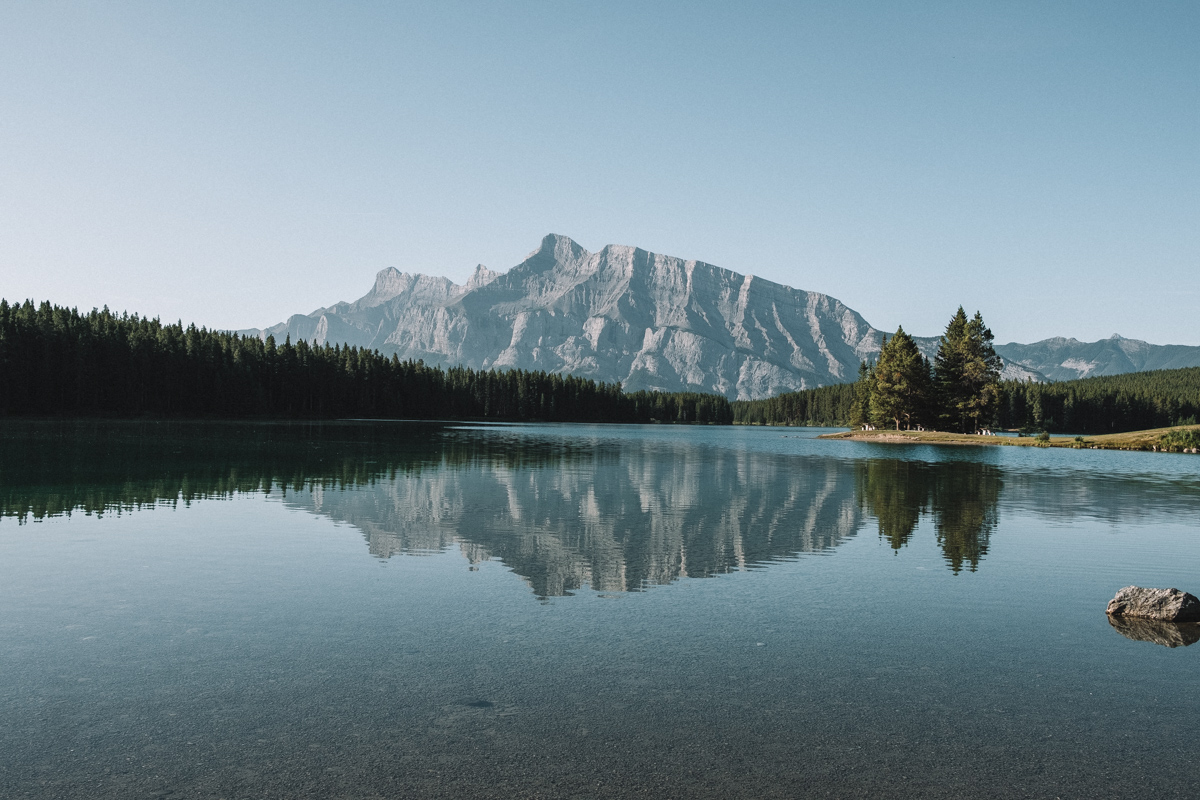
(52, 469)
(965, 497)
(1168, 634)
(563, 511)
(655, 514)
(962, 496)
(896, 493)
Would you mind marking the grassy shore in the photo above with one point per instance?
(1157, 439)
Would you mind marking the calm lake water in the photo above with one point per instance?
(412, 610)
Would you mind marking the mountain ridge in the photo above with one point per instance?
(648, 320)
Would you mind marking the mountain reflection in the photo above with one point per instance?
(562, 507)
(652, 515)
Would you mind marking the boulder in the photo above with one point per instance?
(1168, 634)
(1167, 605)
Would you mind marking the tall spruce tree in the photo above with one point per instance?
(948, 371)
(901, 386)
(966, 373)
(860, 407)
(981, 374)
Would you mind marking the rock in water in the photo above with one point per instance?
(1168, 605)
(1168, 634)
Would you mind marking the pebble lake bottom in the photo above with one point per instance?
(378, 610)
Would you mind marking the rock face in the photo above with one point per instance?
(1062, 359)
(1166, 605)
(621, 314)
(1168, 634)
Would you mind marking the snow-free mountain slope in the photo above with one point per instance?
(620, 314)
(1062, 359)
(655, 322)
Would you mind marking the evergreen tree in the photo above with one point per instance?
(902, 384)
(948, 370)
(860, 409)
(967, 374)
(981, 374)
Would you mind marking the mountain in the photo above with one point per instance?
(621, 314)
(1062, 359)
(654, 322)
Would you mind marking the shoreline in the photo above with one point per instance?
(1144, 441)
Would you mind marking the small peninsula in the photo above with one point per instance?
(1177, 439)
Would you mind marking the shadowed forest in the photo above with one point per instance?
(58, 362)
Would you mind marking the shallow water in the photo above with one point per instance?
(392, 609)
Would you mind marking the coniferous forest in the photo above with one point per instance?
(57, 362)
(1107, 404)
(825, 406)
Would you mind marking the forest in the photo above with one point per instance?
(1109, 404)
(1106, 404)
(826, 406)
(1135, 401)
(902, 387)
(57, 362)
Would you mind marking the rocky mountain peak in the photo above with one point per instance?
(555, 249)
(482, 276)
(653, 321)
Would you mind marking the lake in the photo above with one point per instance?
(377, 609)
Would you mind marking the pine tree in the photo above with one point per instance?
(981, 374)
(967, 373)
(901, 382)
(860, 409)
(948, 370)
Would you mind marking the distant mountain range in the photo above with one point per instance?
(1060, 359)
(655, 322)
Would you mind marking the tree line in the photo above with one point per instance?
(56, 361)
(825, 406)
(1106, 404)
(960, 390)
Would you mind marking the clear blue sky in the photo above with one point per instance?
(233, 163)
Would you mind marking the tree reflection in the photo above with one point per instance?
(963, 498)
(896, 493)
